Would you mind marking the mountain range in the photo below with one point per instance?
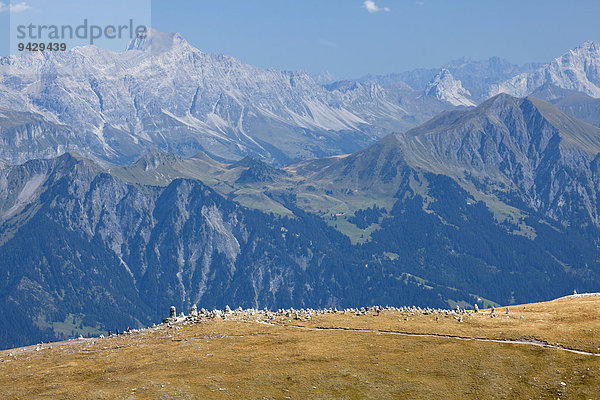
(578, 69)
(575, 72)
(162, 93)
(475, 75)
(496, 204)
(162, 175)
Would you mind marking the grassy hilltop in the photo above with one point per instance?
(555, 354)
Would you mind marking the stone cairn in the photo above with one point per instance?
(172, 315)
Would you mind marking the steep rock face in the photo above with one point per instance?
(444, 87)
(20, 131)
(578, 69)
(478, 76)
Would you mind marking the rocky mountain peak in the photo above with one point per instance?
(156, 41)
(325, 78)
(589, 46)
(444, 87)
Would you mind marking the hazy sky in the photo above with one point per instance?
(349, 38)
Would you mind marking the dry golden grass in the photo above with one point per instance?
(569, 322)
(252, 360)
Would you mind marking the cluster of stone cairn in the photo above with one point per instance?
(493, 313)
(458, 313)
(306, 314)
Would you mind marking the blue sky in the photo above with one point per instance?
(349, 38)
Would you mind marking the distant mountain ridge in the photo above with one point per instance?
(162, 93)
(475, 76)
(578, 69)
